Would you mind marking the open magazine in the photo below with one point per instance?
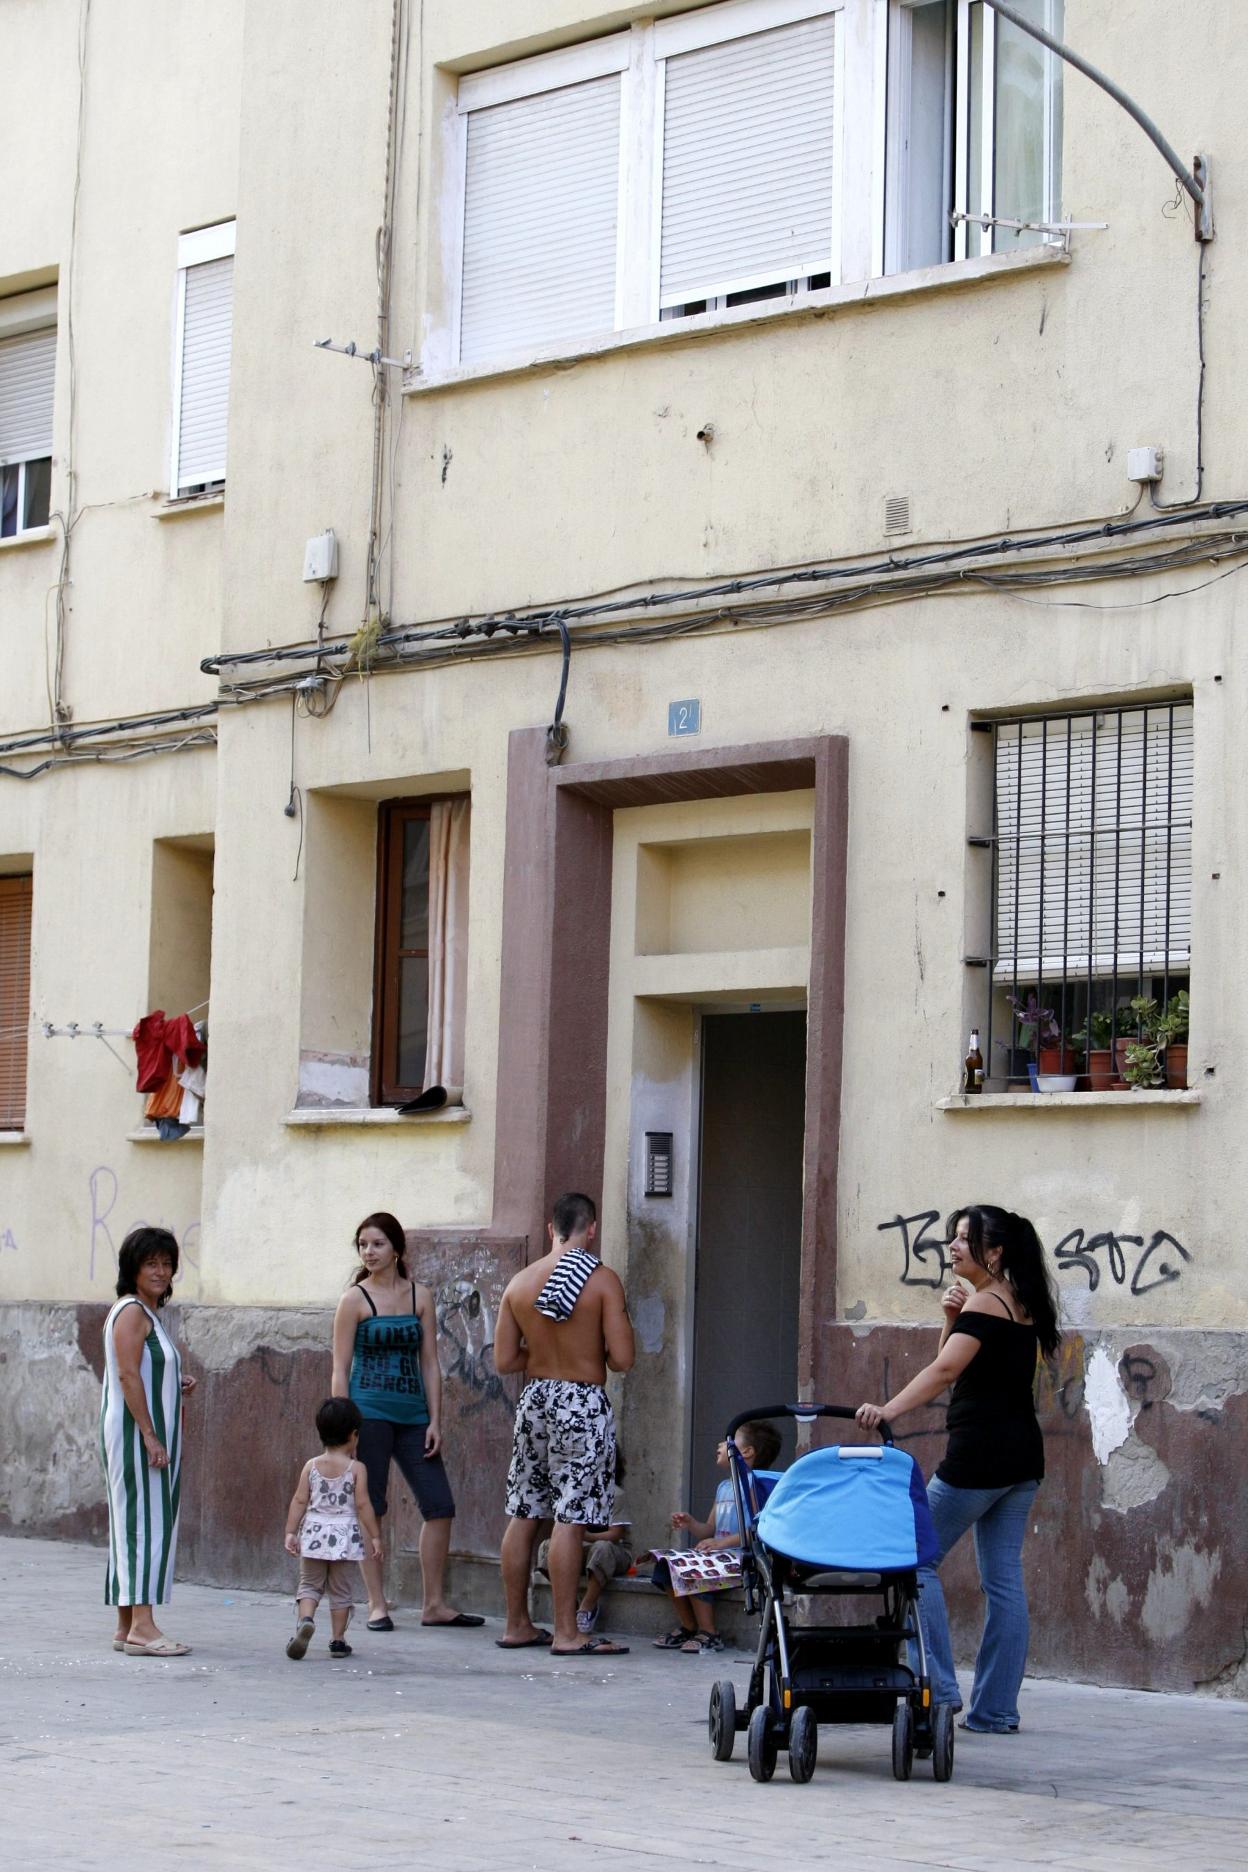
(694, 1572)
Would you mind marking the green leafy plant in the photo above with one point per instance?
(1106, 1026)
(1143, 1068)
(1171, 1027)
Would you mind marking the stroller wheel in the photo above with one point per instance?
(942, 1742)
(762, 1744)
(903, 1740)
(721, 1719)
(803, 1744)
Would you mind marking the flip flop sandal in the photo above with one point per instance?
(674, 1640)
(595, 1647)
(541, 1641)
(119, 1644)
(158, 1647)
(460, 1622)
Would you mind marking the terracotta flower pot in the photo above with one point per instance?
(1056, 1059)
(1176, 1065)
(1119, 1084)
(1100, 1069)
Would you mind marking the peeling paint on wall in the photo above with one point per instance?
(1133, 1476)
(1183, 1579)
(649, 1319)
(1108, 1406)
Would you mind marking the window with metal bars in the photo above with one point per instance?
(1091, 900)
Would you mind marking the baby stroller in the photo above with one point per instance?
(853, 1520)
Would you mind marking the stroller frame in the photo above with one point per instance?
(806, 1675)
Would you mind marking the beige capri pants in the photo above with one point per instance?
(333, 1576)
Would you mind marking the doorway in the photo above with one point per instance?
(747, 1270)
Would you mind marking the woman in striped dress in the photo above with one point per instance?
(141, 1443)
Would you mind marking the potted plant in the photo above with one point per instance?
(1146, 1060)
(1171, 1031)
(1039, 1032)
(1096, 1042)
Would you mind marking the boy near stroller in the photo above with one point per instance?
(329, 1519)
(759, 1444)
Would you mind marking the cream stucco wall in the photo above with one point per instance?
(1002, 405)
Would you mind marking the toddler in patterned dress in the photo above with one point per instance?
(330, 1517)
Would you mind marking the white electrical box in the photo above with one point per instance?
(1145, 464)
(320, 558)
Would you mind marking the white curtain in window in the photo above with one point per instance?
(205, 372)
(1094, 845)
(27, 371)
(748, 161)
(540, 213)
(448, 943)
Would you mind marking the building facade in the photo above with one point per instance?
(761, 642)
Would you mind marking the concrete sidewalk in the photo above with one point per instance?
(438, 1746)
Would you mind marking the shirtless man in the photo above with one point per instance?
(563, 1450)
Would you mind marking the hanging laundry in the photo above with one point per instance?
(153, 1054)
(156, 1040)
(171, 1130)
(194, 1083)
(166, 1100)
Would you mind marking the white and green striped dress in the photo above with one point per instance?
(142, 1501)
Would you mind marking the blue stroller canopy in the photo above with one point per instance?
(853, 1507)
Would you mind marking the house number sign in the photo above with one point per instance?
(684, 717)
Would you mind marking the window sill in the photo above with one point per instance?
(1064, 1101)
(33, 536)
(923, 280)
(150, 1135)
(193, 504)
(14, 1139)
(333, 1118)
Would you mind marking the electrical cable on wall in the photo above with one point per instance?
(1176, 506)
(892, 568)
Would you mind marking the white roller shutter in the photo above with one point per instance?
(1094, 845)
(540, 217)
(204, 373)
(748, 161)
(27, 375)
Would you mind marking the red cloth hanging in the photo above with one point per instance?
(156, 1040)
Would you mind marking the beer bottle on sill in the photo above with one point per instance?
(974, 1065)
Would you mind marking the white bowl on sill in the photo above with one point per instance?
(1056, 1082)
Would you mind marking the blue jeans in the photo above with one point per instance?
(999, 1518)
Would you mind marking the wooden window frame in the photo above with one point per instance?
(14, 1045)
(392, 816)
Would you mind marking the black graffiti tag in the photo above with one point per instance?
(926, 1258)
(1130, 1263)
(1077, 1249)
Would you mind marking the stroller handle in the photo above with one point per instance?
(803, 1412)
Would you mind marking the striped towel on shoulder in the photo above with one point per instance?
(566, 1284)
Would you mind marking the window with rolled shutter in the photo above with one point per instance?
(749, 168)
(15, 912)
(27, 376)
(202, 358)
(540, 218)
(1094, 846)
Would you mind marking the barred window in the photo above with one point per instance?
(1092, 892)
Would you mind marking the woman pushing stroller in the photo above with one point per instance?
(994, 1461)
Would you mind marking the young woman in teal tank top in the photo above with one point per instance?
(386, 1361)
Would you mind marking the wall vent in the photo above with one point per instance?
(897, 513)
